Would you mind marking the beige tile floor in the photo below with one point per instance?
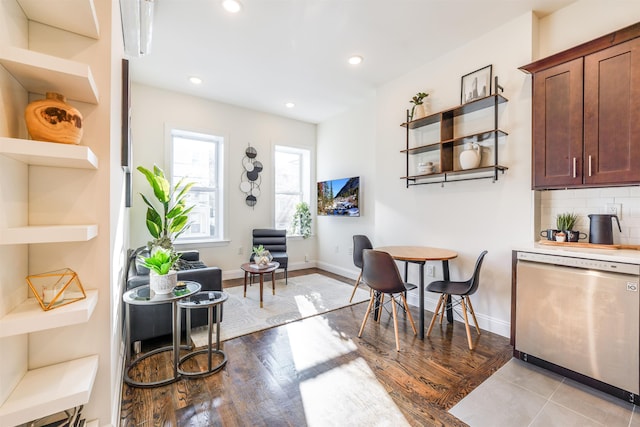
(521, 394)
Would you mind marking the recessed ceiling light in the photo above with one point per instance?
(232, 6)
(355, 59)
(289, 105)
(195, 80)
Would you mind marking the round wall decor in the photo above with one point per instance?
(250, 180)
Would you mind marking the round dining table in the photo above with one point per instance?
(421, 255)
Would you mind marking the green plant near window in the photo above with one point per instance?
(566, 221)
(161, 260)
(170, 220)
(301, 222)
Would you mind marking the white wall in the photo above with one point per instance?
(466, 216)
(346, 148)
(153, 110)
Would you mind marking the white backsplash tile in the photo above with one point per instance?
(592, 201)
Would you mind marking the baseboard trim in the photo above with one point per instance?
(487, 323)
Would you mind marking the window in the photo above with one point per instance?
(199, 158)
(292, 182)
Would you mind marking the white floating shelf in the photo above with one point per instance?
(40, 153)
(76, 16)
(45, 391)
(40, 73)
(48, 234)
(30, 317)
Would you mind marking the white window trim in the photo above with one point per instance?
(168, 155)
(311, 185)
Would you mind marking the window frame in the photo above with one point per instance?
(307, 154)
(222, 190)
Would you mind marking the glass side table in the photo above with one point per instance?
(208, 300)
(142, 295)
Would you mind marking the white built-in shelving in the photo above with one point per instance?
(41, 73)
(38, 153)
(50, 389)
(30, 317)
(76, 16)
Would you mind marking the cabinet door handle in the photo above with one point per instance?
(589, 165)
(574, 167)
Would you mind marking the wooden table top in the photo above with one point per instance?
(256, 269)
(418, 253)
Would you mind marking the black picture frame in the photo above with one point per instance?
(126, 150)
(476, 84)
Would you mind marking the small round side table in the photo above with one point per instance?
(252, 268)
(209, 300)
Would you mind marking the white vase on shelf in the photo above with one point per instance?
(470, 157)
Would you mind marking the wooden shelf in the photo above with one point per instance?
(484, 172)
(48, 234)
(469, 107)
(50, 389)
(30, 317)
(40, 73)
(38, 153)
(76, 16)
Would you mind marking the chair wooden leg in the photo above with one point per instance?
(406, 309)
(355, 286)
(466, 323)
(395, 323)
(435, 314)
(380, 306)
(366, 315)
(444, 307)
(473, 314)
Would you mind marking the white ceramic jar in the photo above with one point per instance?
(470, 157)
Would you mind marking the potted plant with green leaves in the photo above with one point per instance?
(261, 256)
(418, 101)
(301, 221)
(170, 219)
(565, 222)
(162, 277)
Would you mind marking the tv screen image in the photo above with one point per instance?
(339, 197)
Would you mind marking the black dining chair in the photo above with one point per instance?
(380, 273)
(360, 243)
(461, 289)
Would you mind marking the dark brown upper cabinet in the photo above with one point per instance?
(586, 114)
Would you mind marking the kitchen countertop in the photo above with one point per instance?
(628, 256)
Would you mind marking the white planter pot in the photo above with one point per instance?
(163, 284)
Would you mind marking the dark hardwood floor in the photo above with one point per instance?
(317, 372)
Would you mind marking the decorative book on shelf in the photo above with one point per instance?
(56, 288)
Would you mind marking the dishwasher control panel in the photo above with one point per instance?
(584, 263)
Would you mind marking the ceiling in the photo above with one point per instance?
(278, 51)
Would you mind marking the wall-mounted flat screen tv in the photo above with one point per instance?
(339, 197)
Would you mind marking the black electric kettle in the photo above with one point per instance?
(601, 228)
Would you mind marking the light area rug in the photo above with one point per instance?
(304, 296)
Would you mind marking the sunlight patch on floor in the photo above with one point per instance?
(348, 394)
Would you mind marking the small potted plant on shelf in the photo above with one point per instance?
(261, 256)
(162, 277)
(564, 223)
(418, 101)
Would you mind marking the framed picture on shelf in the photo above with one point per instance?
(476, 84)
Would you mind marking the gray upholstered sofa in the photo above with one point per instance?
(154, 321)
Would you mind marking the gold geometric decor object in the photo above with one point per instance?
(56, 288)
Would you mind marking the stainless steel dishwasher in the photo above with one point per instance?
(582, 315)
